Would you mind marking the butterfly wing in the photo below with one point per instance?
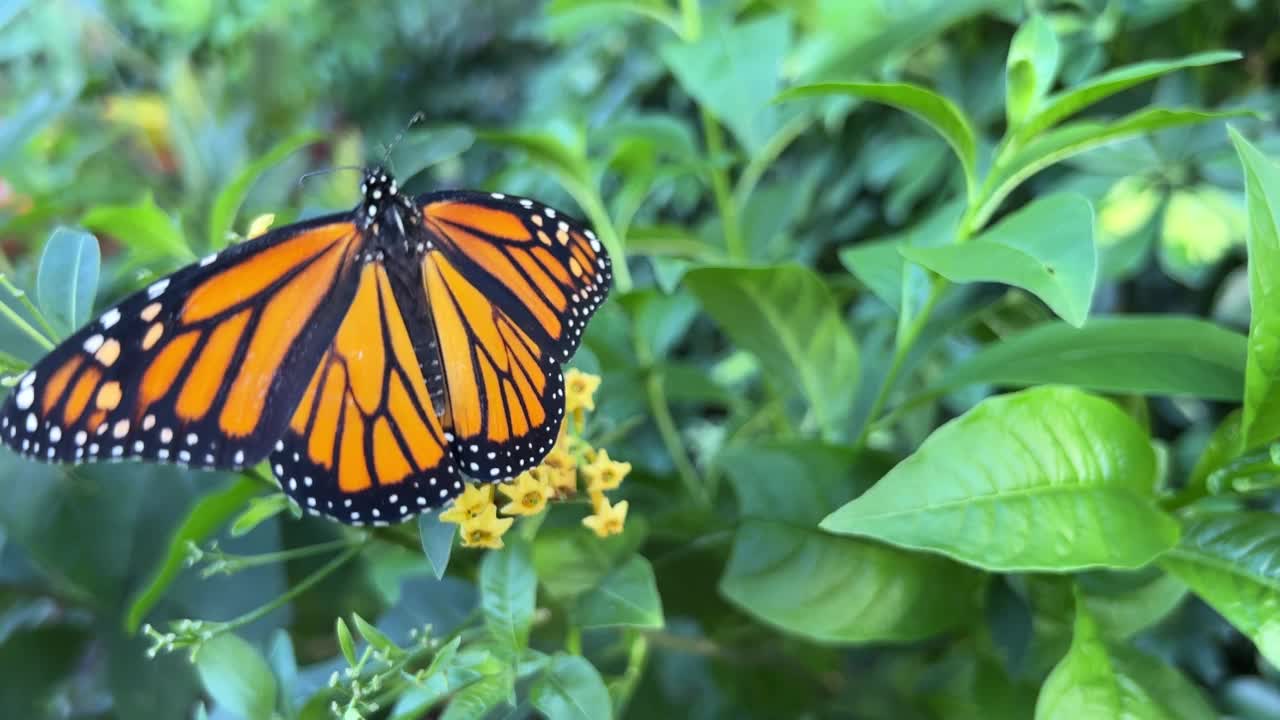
(365, 445)
(510, 285)
(194, 369)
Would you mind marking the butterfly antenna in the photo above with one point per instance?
(414, 120)
(326, 171)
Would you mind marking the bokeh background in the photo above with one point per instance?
(129, 118)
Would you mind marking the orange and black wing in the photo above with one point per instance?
(364, 445)
(510, 286)
(200, 368)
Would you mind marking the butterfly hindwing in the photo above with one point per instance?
(365, 445)
(510, 285)
(196, 368)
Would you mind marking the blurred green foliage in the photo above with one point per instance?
(840, 229)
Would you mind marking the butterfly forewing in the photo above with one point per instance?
(510, 285)
(193, 369)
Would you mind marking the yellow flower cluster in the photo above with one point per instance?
(555, 479)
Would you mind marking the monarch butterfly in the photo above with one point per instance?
(373, 356)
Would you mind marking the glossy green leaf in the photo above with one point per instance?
(67, 279)
(437, 541)
(233, 194)
(1072, 100)
(375, 637)
(626, 597)
(1098, 681)
(1261, 421)
(508, 587)
(733, 71)
(833, 589)
(1070, 140)
(1232, 561)
(1142, 354)
(571, 689)
(1030, 68)
(143, 227)
(944, 116)
(1135, 608)
(237, 677)
(880, 266)
(785, 316)
(203, 520)
(1045, 248)
(1048, 479)
(477, 700)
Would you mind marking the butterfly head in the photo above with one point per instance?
(381, 202)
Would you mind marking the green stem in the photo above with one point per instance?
(573, 640)
(288, 596)
(671, 439)
(691, 14)
(906, 340)
(733, 242)
(17, 320)
(240, 562)
(593, 206)
(637, 656)
(764, 159)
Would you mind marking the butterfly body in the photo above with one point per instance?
(372, 357)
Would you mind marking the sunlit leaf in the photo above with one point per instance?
(1046, 248)
(1048, 479)
(1261, 422)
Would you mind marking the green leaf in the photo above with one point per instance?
(437, 541)
(237, 677)
(571, 689)
(1142, 354)
(1097, 681)
(797, 481)
(1070, 140)
(833, 589)
(204, 519)
(944, 116)
(880, 266)
(733, 71)
(478, 699)
(1232, 561)
(420, 150)
(1135, 608)
(1261, 421)
(1071, 101)
(1030, 68)
(626, 597)
(233, 194)
(1045, 248)
(785, 316)
(547, 150)
(346, 643)
(67, 279)
(375, 637)
(143, 227)
(1045, 479)
(656, 10)
(260, 509)
(508, 588)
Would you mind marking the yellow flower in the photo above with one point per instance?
(473, 501)
(528, 494)
(604, 474)
(579, 388)
(485, 530)
(260, 224)
(561, 470)
(608, 519)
